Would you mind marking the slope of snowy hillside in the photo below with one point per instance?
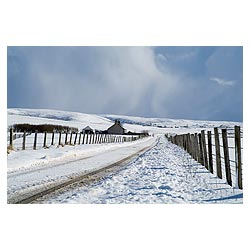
(47, 116)
(171, 123)
(102, 122)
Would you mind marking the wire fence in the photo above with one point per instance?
(220, 152)
(35, 141)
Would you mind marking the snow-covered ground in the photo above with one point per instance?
(164, 174)
(47, 116)
(51, 166)
(174, 176)
(102, 122)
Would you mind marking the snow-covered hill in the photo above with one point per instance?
(47, 116)
(102, 122)
(170, 123)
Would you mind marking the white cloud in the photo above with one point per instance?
(222, 81)
(101, 79)
(119, 80)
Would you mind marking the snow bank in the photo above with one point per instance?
(21, 160)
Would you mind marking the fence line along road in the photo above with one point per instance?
(23, 141)
(227, 150)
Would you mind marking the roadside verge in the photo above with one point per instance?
(27, 196)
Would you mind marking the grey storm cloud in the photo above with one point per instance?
(143, 81)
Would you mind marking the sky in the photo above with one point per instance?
(203, 83)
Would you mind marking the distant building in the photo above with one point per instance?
(116, 129)
(88, 130)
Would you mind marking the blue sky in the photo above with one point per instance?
(174, 82)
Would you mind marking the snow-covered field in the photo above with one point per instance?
(102, 122)
(164, 174)
(46, 116)
(54, 166)
(174, 177)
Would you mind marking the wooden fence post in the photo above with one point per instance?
(70, 140)
(238, 157)
(210, 151)
(195, 156)
(185, 142)
(189, 145)
(60, 136)
(80, 134)
(35, 140)
(66, 138)
(192, 145)
(177, 140)
(44, 141)
(197, 147)
(11, 139)
(204, 148)
(226, 157)
(218, 156)
(75, 138)
(83, 138)
(53, 136)
(96, 136)
(24, 139)
(201, 150)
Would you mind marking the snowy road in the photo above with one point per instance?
(164, 174)
(30, 180)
